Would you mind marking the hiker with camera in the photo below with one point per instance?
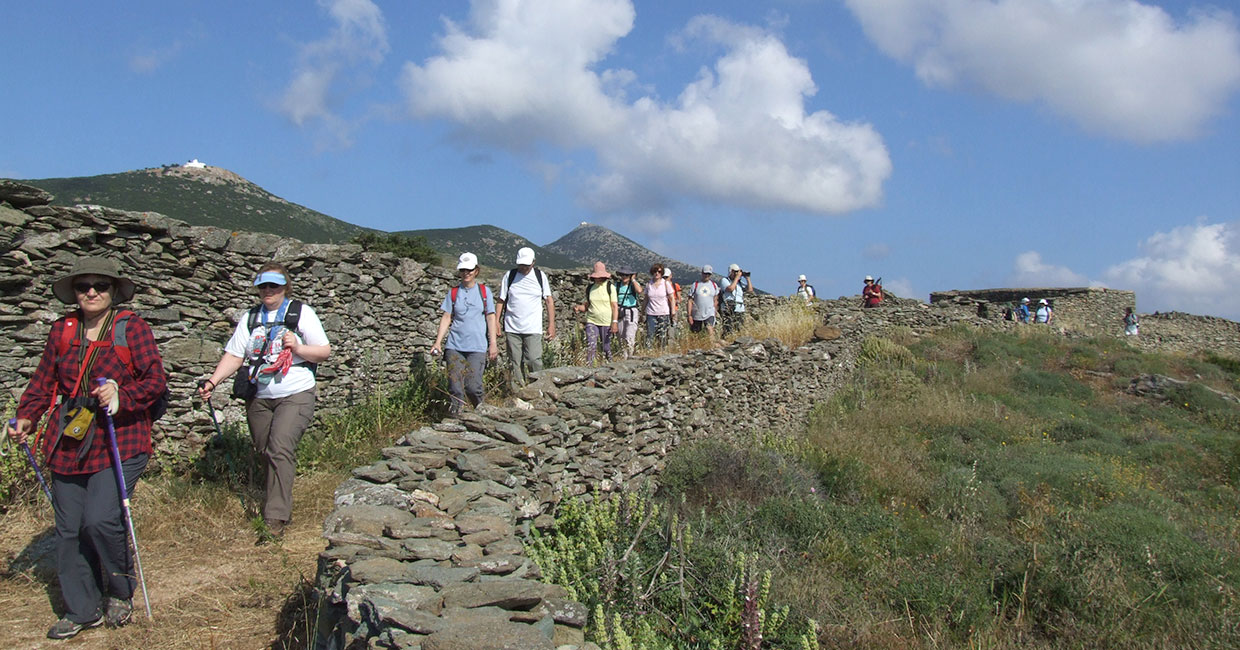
(628, 298)
(872, 292)
(732, 298)
(96, 342)
(273, 356)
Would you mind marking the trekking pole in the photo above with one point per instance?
(120, 486)
(34, 465)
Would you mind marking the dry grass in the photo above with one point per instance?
(210, 586)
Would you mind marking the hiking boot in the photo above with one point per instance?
(118, 611)
(67, 629)
(272, 531)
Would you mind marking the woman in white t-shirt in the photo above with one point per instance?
(279, 343)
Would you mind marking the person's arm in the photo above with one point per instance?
(550, 317)
(615, 311)
(310, 341)
(690, 309)
(749, 284)
(136, 394)
(37, 397)
(229, 363)
(444, 322)
(502, 300)
(492, 327)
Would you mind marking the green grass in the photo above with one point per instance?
(975, 489)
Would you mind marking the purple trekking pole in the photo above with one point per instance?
(120, 486)
(34, 465)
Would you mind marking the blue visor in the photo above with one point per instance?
(270, 276)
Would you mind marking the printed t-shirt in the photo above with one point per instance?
(309, 332)
(601, 297)
(657, 300)
(523, 302)
(468, 331)
(704, 294)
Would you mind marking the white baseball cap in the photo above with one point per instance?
(1024, 300)
(467, 261)
(801, 278)
(869, 278)
(1042, 302)
(734, 267)
(525, 255)
(708, 269)
(667, 273)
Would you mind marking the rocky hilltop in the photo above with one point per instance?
(588, 243)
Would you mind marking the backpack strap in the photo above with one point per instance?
(293, 316)
(120, 342)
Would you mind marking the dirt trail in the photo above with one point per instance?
(210, 585)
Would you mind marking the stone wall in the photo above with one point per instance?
(425, 546)
(1090, 310)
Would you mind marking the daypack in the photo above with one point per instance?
(292, 317)
(511, 277)
(120, 344)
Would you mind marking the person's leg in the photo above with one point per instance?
(516, 358)
(103, 523)
(258, 414)
(662, 327)
(476, 364)
(628, 330)
(457, 368)
(290, 418)
(651, 327)
(533, 353)
(76, 569)
(605, 333)
(591, 342)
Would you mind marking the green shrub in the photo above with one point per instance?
(1046, 383)
(414, 248)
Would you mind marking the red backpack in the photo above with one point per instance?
(119, 344)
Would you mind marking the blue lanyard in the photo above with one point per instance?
(279, 322)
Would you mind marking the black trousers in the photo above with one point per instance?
(92, 544)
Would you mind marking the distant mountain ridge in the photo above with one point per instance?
(494, 246)
(202, 196)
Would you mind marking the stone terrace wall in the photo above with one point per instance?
(425, 546)
(1090, 310)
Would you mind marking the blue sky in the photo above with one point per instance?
(940, 144)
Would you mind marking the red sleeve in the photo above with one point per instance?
(37, 397)
(149, 379)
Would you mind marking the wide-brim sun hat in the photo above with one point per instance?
(1042, 302)
(624, 270)
(599, 272)
(869, 278)
(801, 278)
(90, 265)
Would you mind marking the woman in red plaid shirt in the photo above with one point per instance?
(82, 347)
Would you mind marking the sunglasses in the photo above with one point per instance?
(101, 286)
(270, 286)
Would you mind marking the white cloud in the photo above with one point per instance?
(902, 288)
(528, 73)
(1193, 268)
(1030, 271)
(358, 37)
(877, 251)
(1117, 67)
(153, 60)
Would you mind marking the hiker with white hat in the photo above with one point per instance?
(523, 291)
(470, 325)
(602, 312)
(872, 293)
(273, 357)
(703, 300)
(96, 342)
(805, 291)
(1045, 314)
(733, 290)
(1022, 312)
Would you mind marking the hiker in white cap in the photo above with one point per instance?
(1022, 312)
(469, 323)
(732, 305)
(522, 293)
(872, 293)
(703, 300)
(1044, 314)
(805, 291)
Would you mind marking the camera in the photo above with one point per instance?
(745, 273)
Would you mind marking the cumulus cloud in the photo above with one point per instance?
(1030, 271)
(522, 74)
(876, 251)
(358, 37)
(1193, 268)
(902, 288)
(1116, 67)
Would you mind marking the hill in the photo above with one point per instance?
(494, 246)
(589, 242)
(208, 196)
